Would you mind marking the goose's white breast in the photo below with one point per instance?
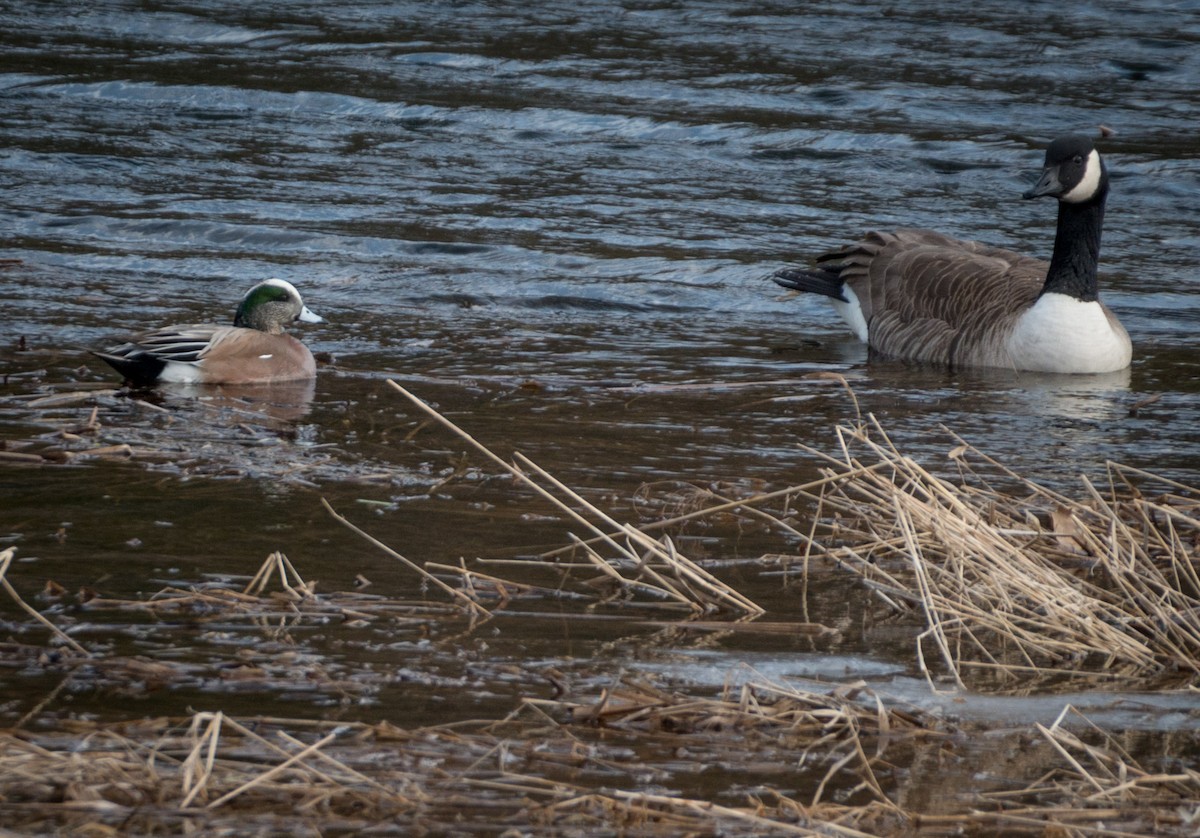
(1062, 334)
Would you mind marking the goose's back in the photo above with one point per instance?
(928, 297)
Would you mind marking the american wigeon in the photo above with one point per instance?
(254, 350)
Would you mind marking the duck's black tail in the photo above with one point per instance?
(140, 369)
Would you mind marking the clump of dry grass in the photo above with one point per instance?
(276, 600)
(1022, 580)
(843, 733)
(1101, 775)
(276, 592)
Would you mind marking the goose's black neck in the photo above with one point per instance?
(1077, 248)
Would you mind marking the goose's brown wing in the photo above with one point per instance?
(930, 297)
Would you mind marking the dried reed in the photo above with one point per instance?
(6, 557)
(1106, 775)
(821, 729)
(1021, 581)
(214, 773)
(633, 564)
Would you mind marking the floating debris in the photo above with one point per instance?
(552, 765)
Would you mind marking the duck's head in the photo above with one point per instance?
(272, 305)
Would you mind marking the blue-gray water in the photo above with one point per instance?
(546, 219)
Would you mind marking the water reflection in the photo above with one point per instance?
(276, 405)
(1096, 398)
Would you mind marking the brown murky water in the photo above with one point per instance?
(556, 227)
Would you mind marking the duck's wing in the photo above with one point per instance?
(143, 358)
(181, 344)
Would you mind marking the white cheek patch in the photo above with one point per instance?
(1090, 182)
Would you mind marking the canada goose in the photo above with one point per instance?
(922, 296)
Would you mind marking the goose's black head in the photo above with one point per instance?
(1073, 172)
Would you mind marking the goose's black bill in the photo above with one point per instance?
(1048, 184)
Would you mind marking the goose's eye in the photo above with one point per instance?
(1077, 159)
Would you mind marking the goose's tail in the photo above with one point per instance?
(827, 283)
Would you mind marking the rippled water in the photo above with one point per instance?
(556, 223)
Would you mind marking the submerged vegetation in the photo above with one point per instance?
(1003, 585)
